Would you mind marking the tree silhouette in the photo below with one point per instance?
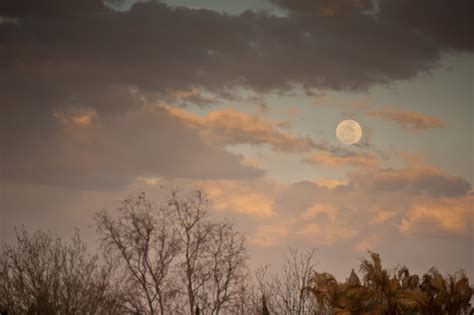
(174, 255)
(397, 292)
(42, 274)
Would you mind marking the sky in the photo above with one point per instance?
(241, 99)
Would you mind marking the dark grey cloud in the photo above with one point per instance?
(320, 44)
(449, 23)
(70, 56)
(325, 8)
(48, 8)
(83, 148)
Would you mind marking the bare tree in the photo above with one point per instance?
(262, 297)
(193, 231)
(176, 259)
(144, 242)
(43, 275)
(284, 292)
(289, 296)
(213, 262)
(228, 258)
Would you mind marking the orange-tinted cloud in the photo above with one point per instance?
(408, 120)
(240, 197)
(229, 126)
(362, 211)
(367, 244)
(451, 215)
(331, 182)
(151, 181)
(270, 235)
(82, 116)
(326, 158)
(382, 216)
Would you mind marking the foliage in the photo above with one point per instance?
(395, 292)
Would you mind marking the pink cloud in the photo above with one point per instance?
(408, 120)
(229, 126)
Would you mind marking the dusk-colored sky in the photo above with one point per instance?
(242, 99)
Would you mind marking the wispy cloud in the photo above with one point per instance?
(80, 115)
(331, 182)
(229, 126)
(408, 119)
(352, 159)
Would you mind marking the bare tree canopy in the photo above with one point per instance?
(44, 275)
(175, 258)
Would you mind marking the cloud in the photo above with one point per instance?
(416, 178)
(424, 16)
(324, 8)
(411, 16)
(331, 182)
(359, 104)
(382, 216)
(49, 8)
(329, 225)
(417, 198)
(285, 213)
(270, 235)
(87, 150)
(79, 116)
(326, 158)
(229, 126)
(408, 120)
(70, 59)
(151, 181)
(450, 215)
(367, 244)
(311, 47)
(240, 197)
(321, 99)
(8, 20)
(293, 111)
(358, 216)
(186, 97)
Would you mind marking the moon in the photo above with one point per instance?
(349, 132)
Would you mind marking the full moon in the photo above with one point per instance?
(349, 132)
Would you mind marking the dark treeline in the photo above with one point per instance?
(176, 258)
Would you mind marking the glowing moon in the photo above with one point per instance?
(349, 132)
